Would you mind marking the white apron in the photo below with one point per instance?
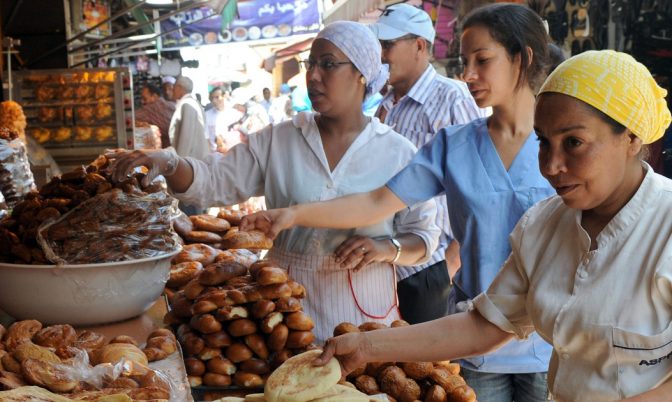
(336, 294)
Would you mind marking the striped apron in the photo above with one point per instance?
(336, 294)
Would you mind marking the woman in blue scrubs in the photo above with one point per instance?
(489, 172)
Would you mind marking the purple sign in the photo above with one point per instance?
(259, 19)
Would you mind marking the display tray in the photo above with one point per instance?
(139, 328)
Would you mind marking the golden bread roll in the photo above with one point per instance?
(297, 379)
(278, 338)
(209, 353)
(256, 343)
(392, 381)
(21, 332)
(247, 380)
(271, 321)
(262, 308)
(410, 391)
(345, 328)
(161, 332)
(298, 290)
(436, 394)
(192, 344)
(287, 305)
(242, 327)
(255, 366)
(114, 352)
(209, 223)
(182, 225)
(195, 380)
(30, 350)
(218, 339)
(219, 272)
(164, 343)
(243, 256)
(228, 313)
(371, 326)
(238, 352)
(276, 291)
(463, 393)
(216, 380)
(55, 336)
(417, 370)
(300, 321)
(203, 307)
(399, 323)
(367, 385)
(256, 266)
(194, 366)
(89, 340)
(299, 339)
(196, 252)
(253, 239)
(180, 305)
(193, 289)
(271, 275)
(124, 339)
(154, 354)
(205, 324)
(221, 365)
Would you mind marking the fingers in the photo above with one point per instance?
(354, 246)
(366, 260)
(256, 221)
(327, 353)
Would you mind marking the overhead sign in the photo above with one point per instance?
(258, 19)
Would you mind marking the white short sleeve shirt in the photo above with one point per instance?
(607, 312)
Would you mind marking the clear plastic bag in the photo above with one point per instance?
(16, 179)
(113, 226)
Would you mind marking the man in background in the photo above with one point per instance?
(218, 121)
(167, 87)
(156, 110)
(419, 103)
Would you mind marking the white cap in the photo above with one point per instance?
(403, 19)
(168, 79)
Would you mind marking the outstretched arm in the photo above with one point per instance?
(351, 211)
(452, 337)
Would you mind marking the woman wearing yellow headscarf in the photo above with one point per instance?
(590, 268)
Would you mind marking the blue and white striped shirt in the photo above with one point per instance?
(432, 103)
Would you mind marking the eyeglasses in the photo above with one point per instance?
(389, 44)
(324, 64)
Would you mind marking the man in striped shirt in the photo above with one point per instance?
(419, 103)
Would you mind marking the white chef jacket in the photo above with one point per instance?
(286, 163)
(607, 312)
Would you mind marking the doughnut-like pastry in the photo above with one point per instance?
(271, 276)
(196, 252)
(154, 354)
(210, 223)
(201, 236)
(164, 343)
(56, 336)
(276, 291)
(161, 332)
(48, 375)
(89, 340)
(271, 321)
(182, 225)
(243, 256)
(231, 216)
(193, 289)
(253, 239)
(182, 273)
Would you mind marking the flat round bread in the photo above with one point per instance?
(342, 393)
(210, 223)
(297, 380)
(253, 239)
(255, 398)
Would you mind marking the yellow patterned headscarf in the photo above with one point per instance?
(617, 85)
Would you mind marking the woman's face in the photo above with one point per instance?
(489, 72)
(332, 80)
(580, 155)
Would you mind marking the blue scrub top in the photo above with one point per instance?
(485, 201)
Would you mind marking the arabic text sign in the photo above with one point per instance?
(260, 19)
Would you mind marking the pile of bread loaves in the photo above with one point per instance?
(407, 382)
(220, 232)
(237, 318)
(58, 363)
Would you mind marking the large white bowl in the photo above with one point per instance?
(85, 294)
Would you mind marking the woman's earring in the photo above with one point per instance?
(362, 80)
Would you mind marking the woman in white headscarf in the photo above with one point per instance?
(314, 157)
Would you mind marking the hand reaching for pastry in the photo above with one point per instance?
(270, 222)
(350, 349)
(360, 251)
(158, 162)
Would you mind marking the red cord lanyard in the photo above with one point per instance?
(359, 307)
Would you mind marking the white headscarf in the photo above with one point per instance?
(361, 46)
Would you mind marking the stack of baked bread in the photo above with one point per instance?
(236, 318)
(408, 382)
(92, 220)
(36, 362)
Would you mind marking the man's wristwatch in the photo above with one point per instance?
(397, 245)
